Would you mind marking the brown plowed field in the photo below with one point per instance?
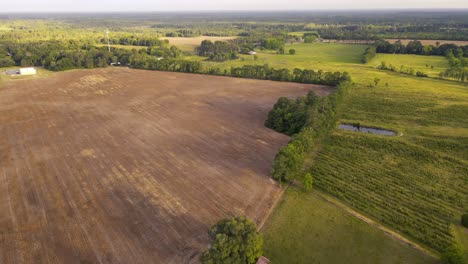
(131, 166)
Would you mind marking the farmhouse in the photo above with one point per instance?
(27, 71)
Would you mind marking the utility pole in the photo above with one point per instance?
(108, 40)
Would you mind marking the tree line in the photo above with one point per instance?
(66, 55)
(416, 47)
(136, 41)
(265, 72)
(307, 119)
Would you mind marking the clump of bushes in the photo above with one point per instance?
(452, 255)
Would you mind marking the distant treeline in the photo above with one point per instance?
(136, 41)
(297, 75)
(416, 47)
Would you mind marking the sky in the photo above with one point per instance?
(211, 5)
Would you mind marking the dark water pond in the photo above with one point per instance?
(358, 128)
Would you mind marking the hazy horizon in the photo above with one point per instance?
(69, 6)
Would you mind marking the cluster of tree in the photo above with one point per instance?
(66, 55)
(218, 50)
(415, 47)
(235, 240)
(310, 37)
(136, 41)
(297, 75)
(289, 116)
(143, 61)
(404, 70)
(369, 54)
(306, 119)
(58, 55)
(272, 43)
(458, 69)
(183, 33)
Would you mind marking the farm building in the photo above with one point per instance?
(27, 71)
(252, 52)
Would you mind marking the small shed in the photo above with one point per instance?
(27, 71)
(252, 52)
(263, 260)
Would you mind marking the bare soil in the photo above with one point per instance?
(131, 166)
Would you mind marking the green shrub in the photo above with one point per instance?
(464, 220)
(452, 255)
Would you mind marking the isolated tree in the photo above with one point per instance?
(255, 57)
(376, 81)
(281, 50)
(235, 240)
(308, 181)
(464, 220)
(292, 51)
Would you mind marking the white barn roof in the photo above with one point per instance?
(27, 71)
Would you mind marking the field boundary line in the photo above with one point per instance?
(272, 208)
(375, 224)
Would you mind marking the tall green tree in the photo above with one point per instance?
(235, 241)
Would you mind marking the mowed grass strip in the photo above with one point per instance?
(305, 228)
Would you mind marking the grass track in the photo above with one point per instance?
(305, 228)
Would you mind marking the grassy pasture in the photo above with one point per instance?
(431, 65)
(305, 228)
(190, 44)
(317, 56)
(415, 183)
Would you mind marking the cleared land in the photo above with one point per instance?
(305, 228)
(128, 166)
(190, 44)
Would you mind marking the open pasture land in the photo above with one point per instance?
(130, 166)
(190, 44)
(431, 65)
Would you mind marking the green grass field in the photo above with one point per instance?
(416, 183)
(305, 228)
(431, 65)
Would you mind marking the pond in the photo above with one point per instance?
(358, 128)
